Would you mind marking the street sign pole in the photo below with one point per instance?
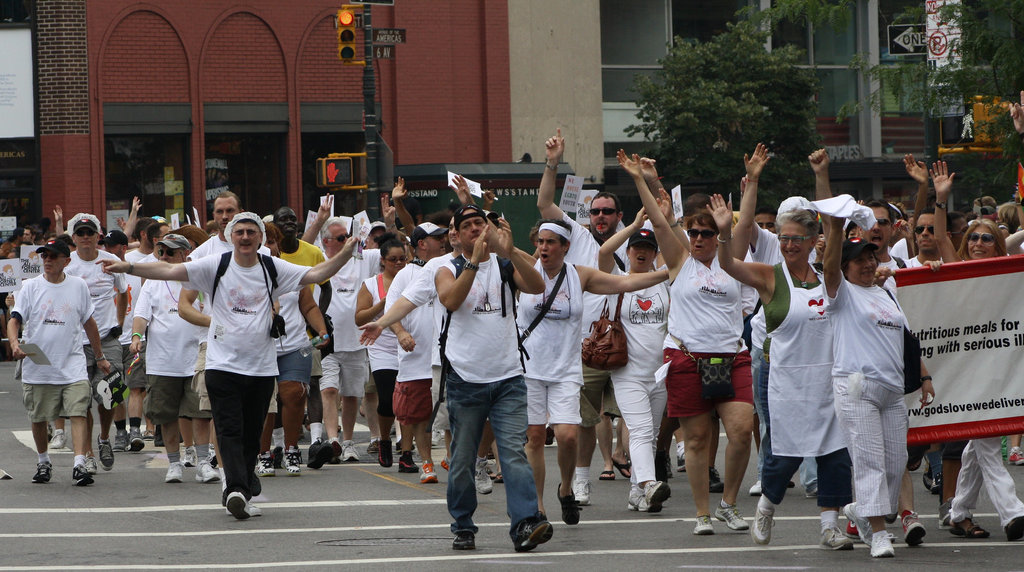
(370, 111)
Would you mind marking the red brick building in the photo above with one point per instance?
(175, 100)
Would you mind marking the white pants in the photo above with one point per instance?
(876, 435)
(554, 402)
(642, 404)
(982, 463)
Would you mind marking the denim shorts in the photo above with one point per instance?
(294, 367)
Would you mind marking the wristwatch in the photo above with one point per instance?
(939, 205)
(471, 266)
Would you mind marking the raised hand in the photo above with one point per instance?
(756, 162)
(819, 161)
(489, 199)
(504, 240)
(665, 204)
(638, 221)
(554, 148)
(399, 193)
(350, 245)
(630, 164)
(480, 248)
(647, 167)
(462, 190)
(942, 179)
(916, 169)
(387, 211)
(136, 204)
(324, 212)
(1017, 114)
(721, 213)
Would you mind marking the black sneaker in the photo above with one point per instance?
(106, 455)
(278, 456)
(43, 472)
(318, 455)
(532, 532)
(715, 484)
(158, 438)
(570, 510)
(1014, 529)
(384, 453)
(937, 484)
(120, 441)
(661, 467)
(80, 477)
(406, 464)
(464, 540)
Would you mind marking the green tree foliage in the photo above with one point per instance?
(712, 102)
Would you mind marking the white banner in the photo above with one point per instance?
(17, 103)
(583, 206)
(31, 262)
(570, 193)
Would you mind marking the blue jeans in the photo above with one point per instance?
(469, 406)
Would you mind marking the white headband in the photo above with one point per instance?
(557, 229)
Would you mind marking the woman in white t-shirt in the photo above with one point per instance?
(644, 318)
(383, 354)
(867, 376)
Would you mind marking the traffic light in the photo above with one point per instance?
(334, 172)
(347, 36)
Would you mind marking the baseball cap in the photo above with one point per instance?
(427, 229)
(853, 247)
(56, 247)
(644, 236)
(467, 212)
(175, 241)
(114, 237)
(379, 224)
(82, 220)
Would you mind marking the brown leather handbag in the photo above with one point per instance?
(605, 347)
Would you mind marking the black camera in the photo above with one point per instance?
(277, 326)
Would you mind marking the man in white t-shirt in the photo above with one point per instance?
(924, 238)
(241, 363)
(109, 296)
(55, 308)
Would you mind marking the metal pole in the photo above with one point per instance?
(370, 111)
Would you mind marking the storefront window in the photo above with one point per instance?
(251, 166)
(151, 167)
(16, 200)
(15, 11)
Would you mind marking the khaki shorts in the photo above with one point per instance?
(137, 379)
(199, 380)
(112, 351)
(597, 396)
(46, 402)
(346, 372)
(168, 398)
(441, 422)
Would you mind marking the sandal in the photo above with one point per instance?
(972, 531)
(499, 479)
(625, 469)
(607, 476)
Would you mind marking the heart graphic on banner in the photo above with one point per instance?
(645, 304)
(818, 302)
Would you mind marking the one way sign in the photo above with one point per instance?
(907, 40)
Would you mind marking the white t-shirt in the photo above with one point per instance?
(483, 345)
(890, 282)
(102, 288)
(344, 294)
(868, 328)
(239, 336)
(706, 313)
(424, 291)
(552, 346)
(134, 289)
(172, 344)
(295, 337)
(384, 352)
(583, 251)
(419, 323)
(644, 317)
(215, 246)
(914, 263)
(900, 249)
(53, 316)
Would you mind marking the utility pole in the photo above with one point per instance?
(370, 114)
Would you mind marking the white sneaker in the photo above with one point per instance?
(582, 491)
(731, 517)
(90, 465)
(189, 457)
(348, 452)
(755, 490)
(205, 473)
(59, 440)
(655, 493)
(173, 473)
(833, 539)
(761, 533)
(704, 526)
(293, 462)
(240, 508)
(484, 486)
(862, 524)
(636, 500)
(881, 546)
(265, 466)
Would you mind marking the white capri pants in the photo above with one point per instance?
(642, 404)
(552, 402)
(982, 463)
(875, 424)
(441, 422)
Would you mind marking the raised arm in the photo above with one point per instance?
(596, 282)
(323, 271)
(398, 195)
(461, 189)
(148, 270)
(919, 172)
(743, 233)
(943, 182)
(819, 164)
(834, 256)
(554, 147)
(759, 276)
(527, 278)
(322, 214)
(606, 255)
(133, 217)
(673, 250)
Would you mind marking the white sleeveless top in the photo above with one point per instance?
(706, 313)
(384, 352)
(554, 345)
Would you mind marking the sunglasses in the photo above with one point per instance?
(883, 221)
(767, 225)
(795, 239)
(339, 238)
(45, 255)
(922, 228)
(85, 232)
(395, 259)
(694, 233)
(985, 238)
(604, 211)
(166, 251)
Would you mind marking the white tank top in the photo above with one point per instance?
(706, 313)
(554, 345)
(384, 352)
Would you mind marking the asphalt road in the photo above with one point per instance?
(358, 516)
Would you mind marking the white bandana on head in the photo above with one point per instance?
(555, 228)
(247, 217)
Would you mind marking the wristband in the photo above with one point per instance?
(939, 205)
(723, 241)
(675, 224)
(548, 166)
(925, 378)
(471, 266)
(131, 266)
(137, 334)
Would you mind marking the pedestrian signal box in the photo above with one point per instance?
(339, 170)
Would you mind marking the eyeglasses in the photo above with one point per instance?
(706, 233)
(85, 232)
(166, 251)
(883, 221)
(339, 238)
(395, 259)
(47, 254)
(767, 225)
(985, 238)
(795, 239)
(920, 229)
(244, 232)
(604, 211)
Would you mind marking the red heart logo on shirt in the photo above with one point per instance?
(818, 302)
(645, 304)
